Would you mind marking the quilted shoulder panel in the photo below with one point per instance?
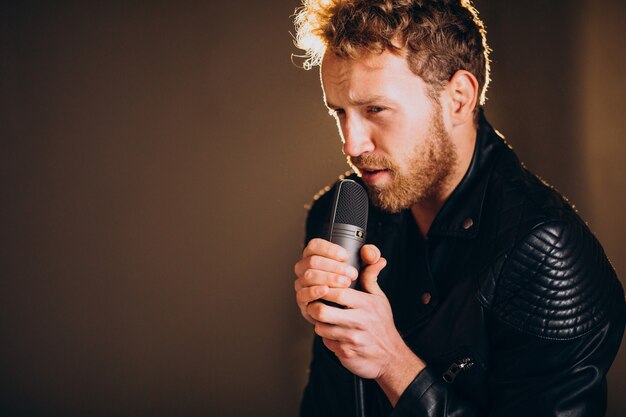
(556, 283)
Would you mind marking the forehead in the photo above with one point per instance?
(385, 74)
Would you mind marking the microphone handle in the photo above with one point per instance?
(353, 247)
(351, 238)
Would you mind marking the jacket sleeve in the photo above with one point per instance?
(556, 320)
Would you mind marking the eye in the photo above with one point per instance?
(374, 109)
(336, 112)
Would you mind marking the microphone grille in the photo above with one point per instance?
(351, 205)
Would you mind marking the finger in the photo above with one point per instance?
(337, 334)
(321, 263)
(326, 249)
(309, 294)
(331, 315)
(347, 297)
(369, 277)
(370, 254)
(333, 345)
(313, 277)
(329, 331)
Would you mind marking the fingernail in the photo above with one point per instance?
(344, 281)
(373, 253)
(343, 254)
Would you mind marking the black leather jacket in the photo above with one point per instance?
(510, 301)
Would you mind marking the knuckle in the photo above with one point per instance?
(319, 312)
(313, 293)
(318, 327)
(305, 296)
(338, 280)
(299, 297)
(352, 339)
(315, 244)
(329, 344)
(315, 261)
(340, 298)
(357, 325)
(310, 309)
(299, 267)
(345, 351)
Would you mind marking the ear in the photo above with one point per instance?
(462, 92)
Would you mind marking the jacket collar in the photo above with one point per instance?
(460, 216)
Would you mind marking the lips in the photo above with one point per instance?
(370, 170)
(373, 175)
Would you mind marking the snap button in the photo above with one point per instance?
(468, 223)
(426, 298)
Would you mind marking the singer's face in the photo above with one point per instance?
(392, 131)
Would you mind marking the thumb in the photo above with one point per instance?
(369, 277)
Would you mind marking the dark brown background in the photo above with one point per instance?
(155, 161)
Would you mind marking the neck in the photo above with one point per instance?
(425, 211)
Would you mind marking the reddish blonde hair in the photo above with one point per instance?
(440, 36)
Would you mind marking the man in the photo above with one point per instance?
(482, 291)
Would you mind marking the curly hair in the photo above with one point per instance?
(440, 36)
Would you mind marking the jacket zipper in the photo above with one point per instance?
(457, 366)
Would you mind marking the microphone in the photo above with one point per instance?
(347, 228)
(348, 220)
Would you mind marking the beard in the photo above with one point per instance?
(430, 165)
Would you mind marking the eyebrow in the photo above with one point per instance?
(360, 102)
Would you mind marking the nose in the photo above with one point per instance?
(356, 137)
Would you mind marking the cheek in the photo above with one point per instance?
(401, 163)
(398, 144)
(389, 136)
(397, 135)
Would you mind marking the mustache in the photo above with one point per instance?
(370, 160)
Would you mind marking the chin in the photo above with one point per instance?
(387, 200)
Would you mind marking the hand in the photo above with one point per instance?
(321, 268)
(363, 336)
